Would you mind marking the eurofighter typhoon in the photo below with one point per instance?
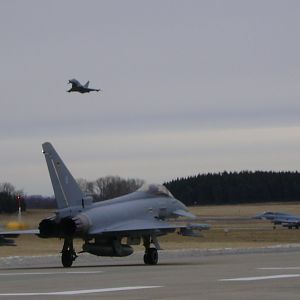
(78, 87)
(110, 227)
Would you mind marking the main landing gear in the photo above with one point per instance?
(68, 253)
(151, 255)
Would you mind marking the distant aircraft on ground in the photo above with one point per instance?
(7, 242)
(4, 241)
(78, 87)
(111, 227)
(280, 218)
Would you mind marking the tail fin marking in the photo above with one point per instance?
(65, 187)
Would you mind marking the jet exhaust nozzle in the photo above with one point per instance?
(48, 228)
(66, 227)
(74, 226)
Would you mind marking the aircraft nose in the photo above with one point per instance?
(257, 217)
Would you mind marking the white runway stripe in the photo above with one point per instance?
(279, 268)
(261, 277)
(80, 292)
(50, 273)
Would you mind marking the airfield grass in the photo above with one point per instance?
(231, 227)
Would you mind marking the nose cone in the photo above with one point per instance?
(258, 217)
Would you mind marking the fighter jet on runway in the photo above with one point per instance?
(279, 218)
(78, 87)
(111, 227)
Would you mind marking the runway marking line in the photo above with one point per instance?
(280, 268)
(51, 273)
(81, 292)
(261, 277)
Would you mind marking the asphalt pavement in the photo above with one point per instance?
(192, 274)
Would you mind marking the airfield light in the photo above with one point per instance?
(19, 209)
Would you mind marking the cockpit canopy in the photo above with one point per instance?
(155, 190)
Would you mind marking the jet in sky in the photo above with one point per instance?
(280, 218)
(110, 227)
(78, 87)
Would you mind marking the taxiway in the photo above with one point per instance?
(179, 275)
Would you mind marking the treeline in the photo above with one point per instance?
(203, 189)
(109, 187)
(10, 198)
(237, 187)
(39, 201)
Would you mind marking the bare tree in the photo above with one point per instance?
(114, 186)
(86, 186)
(8, 198)
(8, 188)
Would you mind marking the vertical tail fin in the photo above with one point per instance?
(87, 84)
(66, 189)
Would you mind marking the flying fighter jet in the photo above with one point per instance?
(78, 87)
(280, 218)
(111, 227)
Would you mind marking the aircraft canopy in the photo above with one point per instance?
(155, 190)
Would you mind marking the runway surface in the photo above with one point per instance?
(179, 275)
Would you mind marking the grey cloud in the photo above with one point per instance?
(164, 66)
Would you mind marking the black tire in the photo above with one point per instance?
(67, 259)
(146, 259)
(151, 256)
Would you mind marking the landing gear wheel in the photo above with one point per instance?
(146, 259)
(68, 252)
(151, 256)
(67, 258)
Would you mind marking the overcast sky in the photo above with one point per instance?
(188, 87)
